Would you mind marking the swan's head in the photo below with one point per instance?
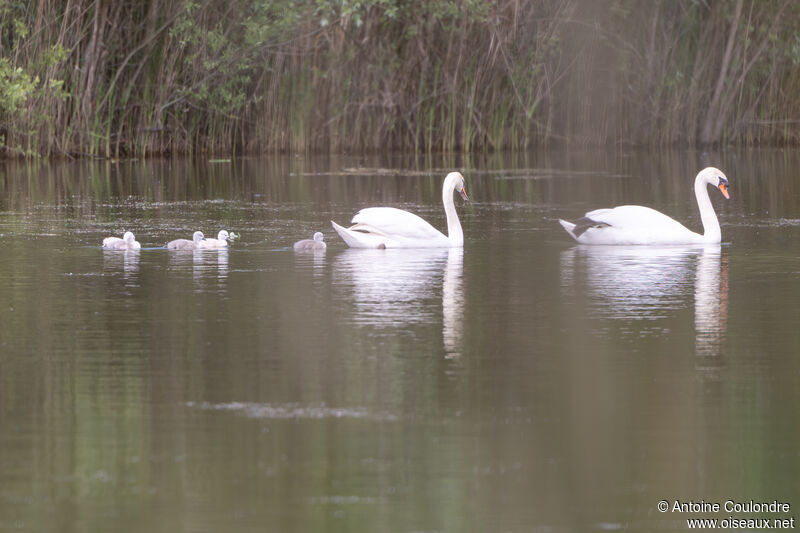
(128, 237)
(318, 236)
(715, 177)
(459, 184)
(198, 236)
(223, 235)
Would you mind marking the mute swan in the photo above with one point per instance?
(220, 242)
(127, 242)
(309, 244)
(634, 224)
(387, 227)
(185, 244)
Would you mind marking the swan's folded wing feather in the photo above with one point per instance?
(367, 228)
(635, 217)
(394, 222)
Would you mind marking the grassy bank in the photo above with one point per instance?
(145, 77)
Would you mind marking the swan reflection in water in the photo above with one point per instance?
(392, 288)
(711, 302)
(453, 302)
(313, 258)
(125, 260)
(205, 264)
(647, 282)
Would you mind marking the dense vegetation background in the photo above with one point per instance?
(135, 77)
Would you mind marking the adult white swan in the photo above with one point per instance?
(127, 242)
(634, 224)
(186, 244)
(387, 227)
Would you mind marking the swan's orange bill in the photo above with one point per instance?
(463, 192)
(724, 190)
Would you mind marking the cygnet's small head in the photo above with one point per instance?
(223, 235)
(717, 178)
(198, 236)
(128, 237)
(318, 236)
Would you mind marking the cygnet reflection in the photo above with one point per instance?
(210, 264)
(204, 265)
(314, 258)
(126, 261)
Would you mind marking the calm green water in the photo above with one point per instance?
(524, 384)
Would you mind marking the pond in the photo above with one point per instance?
(524, 383)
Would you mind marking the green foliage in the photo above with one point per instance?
(15, 87)
(794, 50)
(156, 76)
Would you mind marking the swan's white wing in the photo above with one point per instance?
(635, 216)
(394, 223)
(631, 224)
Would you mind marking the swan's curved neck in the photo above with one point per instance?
(454, 232)
(711, 231)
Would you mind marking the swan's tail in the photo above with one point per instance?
(361, 238)
(344, 233)
(569, 226)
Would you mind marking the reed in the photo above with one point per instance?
(219, 77)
